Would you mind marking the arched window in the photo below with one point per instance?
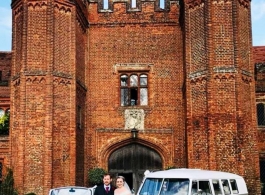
(134, 89)
(260, 114)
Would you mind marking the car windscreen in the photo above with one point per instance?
(154, 186)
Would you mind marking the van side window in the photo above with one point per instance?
(204, 187)
(194, 187)
(175, 187)
(201, 187)
(226, 186)
(234, 186)
(217, 187)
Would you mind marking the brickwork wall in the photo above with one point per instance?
(60, 68)
(132, 38)
(259, 61)
(247, 119)
(5, 65)
(220, 109)
(80, 136)
(61, 132)
(5, 68)
(18, 36)
(44, 95)
(34, 133)
(81, 90)
(196, 87)
(62, 39)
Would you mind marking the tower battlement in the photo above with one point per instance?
(123, 11)
(108, 6)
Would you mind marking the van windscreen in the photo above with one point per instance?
(168, 187)
(151, 187)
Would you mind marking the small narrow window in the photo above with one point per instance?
(79, 117)
(124, 80)
(105, 4)
(133, 3)
(162, 4)
(260, 114)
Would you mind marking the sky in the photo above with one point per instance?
(257, 18)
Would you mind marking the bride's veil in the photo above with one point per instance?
(127, 186)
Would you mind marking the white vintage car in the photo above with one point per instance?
(192, 182)
(72, 190)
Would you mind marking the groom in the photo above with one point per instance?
(106, 188)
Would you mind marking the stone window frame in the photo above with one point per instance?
(135, 88)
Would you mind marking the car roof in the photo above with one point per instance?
(69, 187)
(192, 174)
(75, 190)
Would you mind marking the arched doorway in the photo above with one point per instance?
(132, 160)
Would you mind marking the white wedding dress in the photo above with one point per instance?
(127, 191)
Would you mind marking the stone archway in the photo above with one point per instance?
(132, 160)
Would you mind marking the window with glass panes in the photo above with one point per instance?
(133, 89)
(261, 114)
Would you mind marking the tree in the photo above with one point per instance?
(95, 175)
(7, 185)
(4, 124)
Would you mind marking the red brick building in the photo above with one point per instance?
(86, 73)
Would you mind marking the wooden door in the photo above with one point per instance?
(131, 161)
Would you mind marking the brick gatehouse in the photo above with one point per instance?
(86, 75)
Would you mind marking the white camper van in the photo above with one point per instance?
(192, 182)
(72, 190)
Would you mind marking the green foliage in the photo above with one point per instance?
(7, 185)
(95, 175)
(171, 167)
(4, 124)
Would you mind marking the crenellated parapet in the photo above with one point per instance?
(136, 6)
(121, 12)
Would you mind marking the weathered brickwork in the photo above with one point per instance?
(132, 38)
(259, 59)
(66, 113)
(5, 68)
(219, 107)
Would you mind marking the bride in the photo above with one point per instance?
(122, 187)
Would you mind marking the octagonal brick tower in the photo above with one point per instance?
(221, 128)
(47, 91)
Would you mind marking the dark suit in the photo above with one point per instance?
(100, 190)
